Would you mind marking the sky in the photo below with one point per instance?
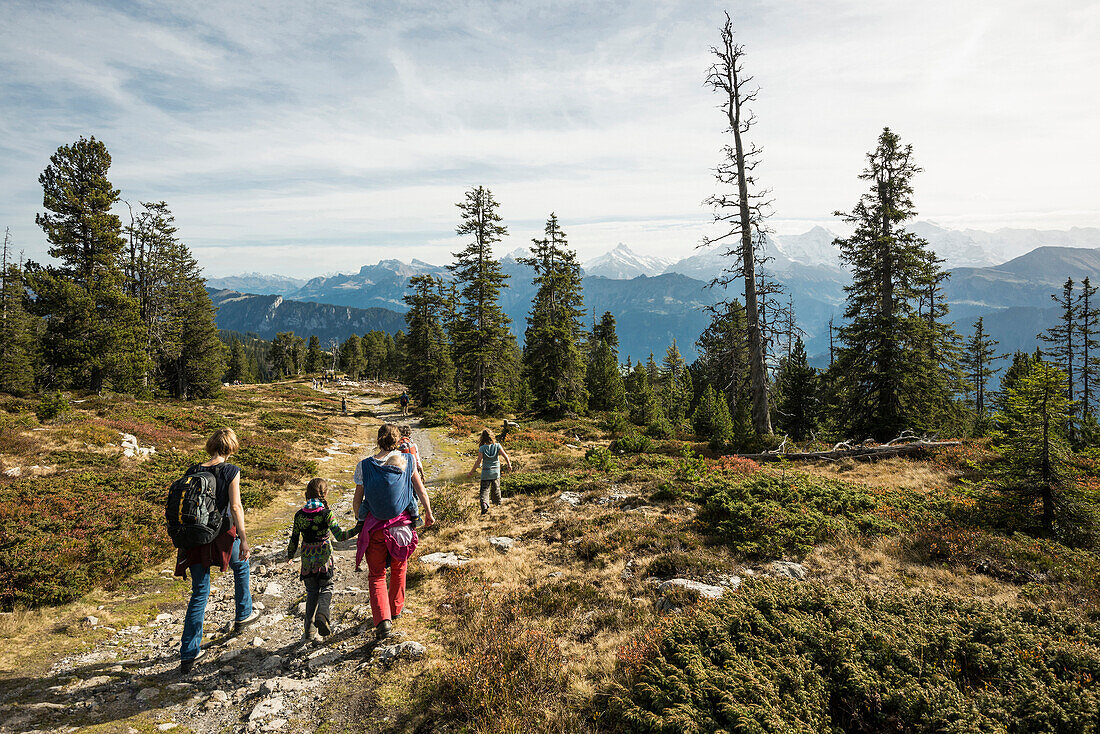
(302, 138)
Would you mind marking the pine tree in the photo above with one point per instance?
(888, 369)
(17, 331)
(1031, 435)
(1088, 329)
(351, 356)
(196, 371)
(484, 348)
(237, 368)
(742, 209)
(723, 354)
(676, 387)
(1062, 338)
(796, 386)
(642, 403)
(606, 390)
(604, 331)
(315, 358)
(182, 342)
(93, 334)
(429, 371)
(978, 360)
(553, 364)
(282, 355)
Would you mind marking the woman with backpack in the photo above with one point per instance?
(386, 488)
(489, 454)
(228, 550)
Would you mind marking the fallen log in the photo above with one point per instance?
(845, 450)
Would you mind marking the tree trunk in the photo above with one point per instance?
(758, 378)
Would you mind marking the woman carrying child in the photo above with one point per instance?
(386, 488)
(489, 454)
(228, 550)
(313, 523)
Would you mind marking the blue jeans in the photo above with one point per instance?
(200, 592)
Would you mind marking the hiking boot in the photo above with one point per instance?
(187, 665)
(382, 631)
(240, 624)
(484, 509)
(323, 626)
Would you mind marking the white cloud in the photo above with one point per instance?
(351, 129)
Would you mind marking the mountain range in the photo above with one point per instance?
(662, 302)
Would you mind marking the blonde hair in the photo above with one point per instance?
(316, 489)
(223, 442)
(388, 436)
(486, 438)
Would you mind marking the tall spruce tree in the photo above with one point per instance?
(186, 354)
(676, 387)
(17, 331)
(315, 358)
(429, 371)
(1031, 434)
(741, 209)
(351, 356)
(641, 401)
(553, 363)
(238, 367)
(1088, 329)
(93, 336)
(604, 378)
(797, 399)
(723, 354)
(888, 373)
(1062, 337)
(484, 348)
(978, 362)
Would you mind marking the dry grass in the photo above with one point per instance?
(894, 473)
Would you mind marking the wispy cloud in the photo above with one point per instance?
(302, 138)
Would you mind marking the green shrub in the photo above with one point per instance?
(599, 457)
(616, 423)
(785, 657)
(52, 405)
(632, 443)
(537, 483)
(660, 429)
(680, 564)
(435, 418)
(768, 516)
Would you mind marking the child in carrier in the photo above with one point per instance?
(313, 523)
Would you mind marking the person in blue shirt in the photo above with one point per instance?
(489, 454)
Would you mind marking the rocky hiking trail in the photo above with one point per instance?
(126, 678)
(263, 679)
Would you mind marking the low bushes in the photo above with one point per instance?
(783, 657)
(537, 483)
(769, 516)
(632, 443)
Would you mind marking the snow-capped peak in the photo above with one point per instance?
(622, 263)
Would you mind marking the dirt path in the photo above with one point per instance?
(264, 679)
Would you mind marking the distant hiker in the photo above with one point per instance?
(404, 400)
(344, 404)
(228, 550)
(406, 446)
(489, 454)
(313, 523)
(385, 487)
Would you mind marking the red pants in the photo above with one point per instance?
(384, 604)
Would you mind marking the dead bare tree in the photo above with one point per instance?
(742, 210)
